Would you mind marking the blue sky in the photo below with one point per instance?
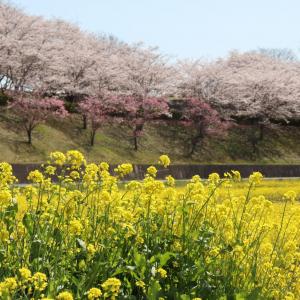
(184, 28)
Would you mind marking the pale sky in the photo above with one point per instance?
(184, 28)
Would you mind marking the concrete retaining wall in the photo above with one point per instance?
(187, 171)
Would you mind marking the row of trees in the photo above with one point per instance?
(55, 57)
(198, 117)
(107, 80)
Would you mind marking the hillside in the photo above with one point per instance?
(113, 144)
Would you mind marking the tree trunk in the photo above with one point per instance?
(135, 141)
(254, 138)
(136, 132)
(84, 122)
(261, 131)
(254, 146)
(195, 141)
(29, 136)
(93, 133)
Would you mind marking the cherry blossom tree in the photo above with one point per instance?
(34, 111)
(251, 88)
(135, 112)
(238, 86)
(259, 90)
(201, 120)
(284, 54)
(147, 81)
(197, 79)
(107, 74)
(56, 57)
(20, 42)
(48, 56)
(97, 112)
(147, 72)
(73, 56)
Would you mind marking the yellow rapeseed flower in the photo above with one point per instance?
(50, 170)
(152, 171)
(6, 174)
(141, 284)
(94, 293)
(25, 274)
(4, 234)
(170, 180)
(8, 285)
(65, 296)
(91, 249)
(162, 272)
(124, 169)
(5, 197)
(39, 281)
(111, 287)
(36, 176)
(255, 178)
(104, 166)
(74, 175)
(214, 178)
(75, 159)
(57, 158)
(75, 227)
(164, 160)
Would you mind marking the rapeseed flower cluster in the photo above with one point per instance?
(36, 176)
(152, 171)
(79, 232)
(65, 296)
(6, 175)
(123, 170)
(164, 160)
(111, 288)
(94, 293)
(57, 158)
(75, 159)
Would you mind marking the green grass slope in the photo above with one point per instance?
(114, 144)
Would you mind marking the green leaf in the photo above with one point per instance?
(164, 258)
(254, 295)
(57, 236)
(185, 297)
(35, 250)
(153, 290)
(2, 254)
(139, 259)
(27, 222)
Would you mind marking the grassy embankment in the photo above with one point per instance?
(114, 144)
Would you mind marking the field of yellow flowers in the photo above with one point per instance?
(84, 237)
